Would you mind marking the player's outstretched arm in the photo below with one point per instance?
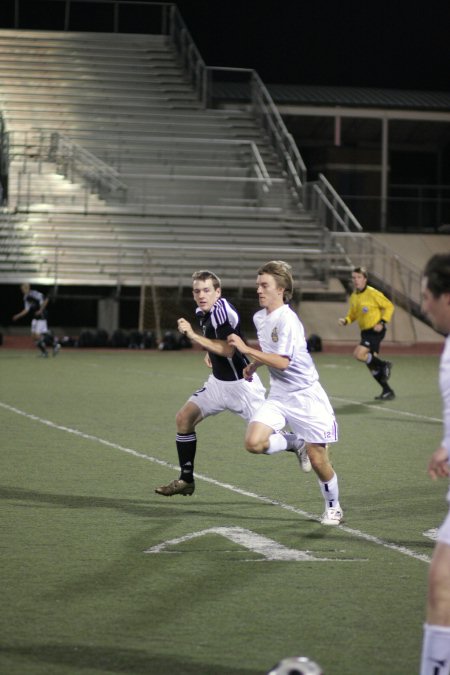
(219, 347)
(268, 359)
(19, 315)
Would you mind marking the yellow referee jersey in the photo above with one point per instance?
(368, 308)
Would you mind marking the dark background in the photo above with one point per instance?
(361, 43)
(385, 44)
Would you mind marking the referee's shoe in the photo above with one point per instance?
(387, 395)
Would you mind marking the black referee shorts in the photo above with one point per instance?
(371, 339)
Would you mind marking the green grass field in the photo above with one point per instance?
(101, 575)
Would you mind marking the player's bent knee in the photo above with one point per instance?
(254, 448)
(180, 419)
(255, 445)
(360, 353)
(186, 419)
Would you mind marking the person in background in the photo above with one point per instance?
(35, 304)
(436, 637)
(296, 397)
(373, 311)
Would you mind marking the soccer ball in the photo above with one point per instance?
(296, 665)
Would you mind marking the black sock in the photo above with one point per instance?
(186, 447)
(376, 363)
(378, 374)
(41, 345)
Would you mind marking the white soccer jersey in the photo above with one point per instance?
(281, 332)
(444, 384)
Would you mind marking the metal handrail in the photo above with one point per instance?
(262, 103)
(73, 160)
(322, 194)
(258, 166)
(393, 273)
(115, 4)
(190, 56)
(353, 247)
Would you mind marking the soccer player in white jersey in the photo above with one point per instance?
(296, 396)
(436, 638)
(225, 389)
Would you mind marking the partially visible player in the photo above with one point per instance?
(436, 638)
(296, 665)
(372, 310)
(225, 389)
(35, 303)
(296, 397)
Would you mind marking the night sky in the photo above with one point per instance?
(364, 43)
(387, 44)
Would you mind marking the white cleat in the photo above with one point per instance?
(332, 516)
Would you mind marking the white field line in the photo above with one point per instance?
(227, 486)
(392, 411)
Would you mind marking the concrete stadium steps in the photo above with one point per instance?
(72, 102)
(84, 46)
(44, 187)
(167, 141)
(98, 265)
(92, 250)
(125, 99)
(41, 184)
(148, 230)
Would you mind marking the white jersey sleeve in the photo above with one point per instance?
(444, 384)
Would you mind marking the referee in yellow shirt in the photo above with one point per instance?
(372, 310)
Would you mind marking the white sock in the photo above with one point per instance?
(330, 492)
(435, 650)
(279, 442)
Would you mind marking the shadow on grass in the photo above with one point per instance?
(139, 507)
(153, 507)
(110, 660)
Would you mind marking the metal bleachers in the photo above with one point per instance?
(111, 155)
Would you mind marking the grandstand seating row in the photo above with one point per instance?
(188, 175)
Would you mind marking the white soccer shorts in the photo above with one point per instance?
(308, 412)
(239, 396)
(39, 326)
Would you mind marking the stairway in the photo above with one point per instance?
(76, 104)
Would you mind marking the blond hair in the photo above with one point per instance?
(281, 272)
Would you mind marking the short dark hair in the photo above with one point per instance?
(203, 275)
(437, 274)
(361, 270)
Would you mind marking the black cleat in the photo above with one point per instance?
(385, 396)
(176, 487)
